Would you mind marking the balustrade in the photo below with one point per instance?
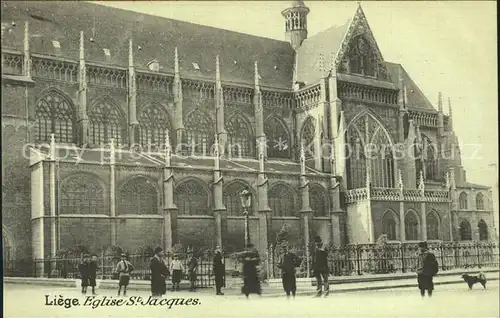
(424, 119)
(55, 69)
(12, 64)
(371, 94)
(308, 97)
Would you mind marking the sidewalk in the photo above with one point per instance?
(273, 288)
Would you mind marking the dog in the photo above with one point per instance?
(471, 280)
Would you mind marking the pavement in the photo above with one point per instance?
(453, 300)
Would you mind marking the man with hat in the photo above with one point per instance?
(159, 272)
(123, 268)
(219, 270)
(320, 267)
(92, 272)
(427, 268)
(83, 268)
(287, 263)
(192, 264)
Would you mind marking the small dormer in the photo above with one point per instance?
(57, 46)
(107, 54)
(154, 66)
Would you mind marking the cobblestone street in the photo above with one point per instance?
(449, 301)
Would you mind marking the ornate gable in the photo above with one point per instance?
(359, 52)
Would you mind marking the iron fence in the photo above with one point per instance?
(362, 259)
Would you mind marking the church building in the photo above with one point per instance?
(131, 130)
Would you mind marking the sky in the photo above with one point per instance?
(448, 47)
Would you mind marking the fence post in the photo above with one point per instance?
(402, 250)
(103, 275)
(455, 254)
(478, 258)
(442, 256)
(358, 260)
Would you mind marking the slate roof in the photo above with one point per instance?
(158, 37)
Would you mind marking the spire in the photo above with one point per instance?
(368, 174)
(450, 112)
(256, 76)
(447, 179)
(400, 180)
(132, 89)
(261, 157)
(216, 153)
(302, 160)
(217, 70)
(27, 58)
(176, 61)
(421, 185)
(130, 54)
(440, 102)
(168, 149)
(112, 157)
(52, 147)
(83, 69)
(177, 80)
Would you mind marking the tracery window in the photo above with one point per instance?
(82, 194)
(278, 144)
(389, 225)
(232, 200)
(240, 138)
(479, 201)
(307, 137)
(432, 226)
(138, 196)
(318, 200)
(462, 201)
(55, 115)
(281, 200)
(200, 133)
(153, 125)
(191, 198)
(483, 230)
(106, 123)
(426, 159)
(362, 59)
(411, 226)
(368, 142)
(465, 231)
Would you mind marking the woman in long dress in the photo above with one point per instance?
(251, 280)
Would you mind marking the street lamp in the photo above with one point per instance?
(246, 201)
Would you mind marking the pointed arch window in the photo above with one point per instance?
(362, 59)
(318, 199)
(278, 144)
(153, 125)
(138, 196)
(462, 201)
(432, 226)
(307, 137)
(483, 230)
(232, 200)
(465, 231)
(479, 201)
(200, 132)
(389, 226)
(55, 115)
(106, 123)
(411, 226)
(426, 158)
(281, 200)
(240, 138)
(82, 194)
(191, 198)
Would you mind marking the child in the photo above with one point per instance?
(177, 270)
(83, 267)
(124, 268)
(92, 272)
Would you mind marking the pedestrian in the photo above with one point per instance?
(93, 272)
(192, 265)
(83, 268)
(320, 268)
(287, 263)
(251, 281)
(159, 272)
(427, 268)
(123, 268)
(177, 270)
(219, 270)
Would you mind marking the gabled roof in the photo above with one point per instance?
(158, 37)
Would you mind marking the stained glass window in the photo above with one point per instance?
(479, 201)
(281, 200)
(153, 124)
(240, 138)
(411, 226)
(483, 230)
(55, 115)
(307, 137)
(465, 231)
(389, 225)
(138, 196)
(232, 199)
(279, 144)
(462, 201)
(82, 194)
(318, 200)
(191, 198)
(199, 134)
(432, 226)
(106, 123)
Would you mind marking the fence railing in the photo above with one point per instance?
(365, 259)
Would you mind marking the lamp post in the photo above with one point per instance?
(246, 201)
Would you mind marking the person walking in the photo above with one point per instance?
(427, 268)
(83, 268)
(177, 270)
(219, 270)
(320, 268)
(124, 268)
(287, 263)
(251, 281)
(192, 265)
(92, 271)
(159, 272)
